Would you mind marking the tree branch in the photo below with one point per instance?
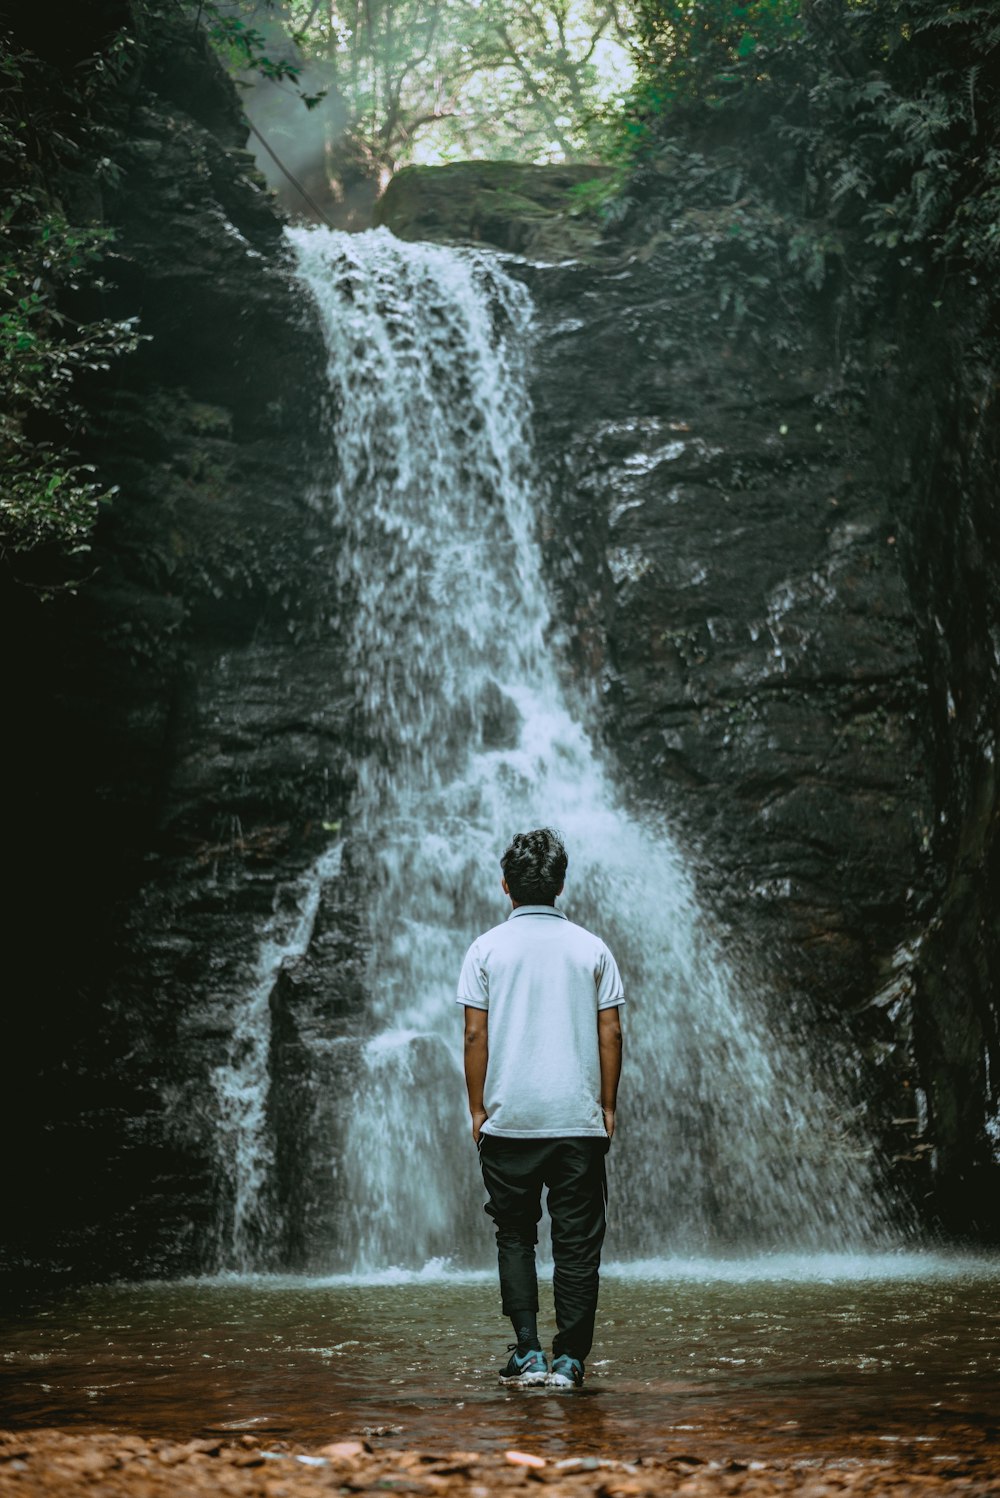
(541, 101)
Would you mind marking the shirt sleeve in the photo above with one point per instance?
(609, 981)
(473, 988)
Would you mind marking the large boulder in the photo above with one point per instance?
(545, 212)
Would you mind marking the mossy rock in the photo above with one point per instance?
(544, 211)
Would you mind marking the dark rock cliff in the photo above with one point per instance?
(180, 720)
(725, 536)
(949, 450)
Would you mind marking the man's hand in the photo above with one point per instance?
(476, 1057)
(609, 1045)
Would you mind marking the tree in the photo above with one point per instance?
(397, 81)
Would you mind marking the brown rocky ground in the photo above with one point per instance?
(58, 1464)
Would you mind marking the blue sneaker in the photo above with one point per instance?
(567, 1372)
(532, 1368)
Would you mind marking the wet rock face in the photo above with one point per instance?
(725, 554)
(752, 625)
(182, 719)
(952, 555)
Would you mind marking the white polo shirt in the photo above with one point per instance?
(541, 980)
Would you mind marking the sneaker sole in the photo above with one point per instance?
(560, 1381)
(525, 1380)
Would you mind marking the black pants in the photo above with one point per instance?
(515, 1170)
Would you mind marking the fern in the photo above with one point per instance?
(853, 179)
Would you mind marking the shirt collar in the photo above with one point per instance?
(537, 910)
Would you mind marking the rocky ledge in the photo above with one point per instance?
(545, 212)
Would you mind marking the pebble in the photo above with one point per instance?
(344, 1451)
(92, 1462)
(458, 1461)
(524, 1459)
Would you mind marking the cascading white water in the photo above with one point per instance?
(724, 1140)
(241, 1084)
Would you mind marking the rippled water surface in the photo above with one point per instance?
(836, 1354)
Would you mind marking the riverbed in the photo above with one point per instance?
(874, 1358)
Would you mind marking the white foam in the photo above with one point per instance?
(791, 1269)
(241, 1083)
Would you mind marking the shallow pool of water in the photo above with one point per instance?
(783, 1355)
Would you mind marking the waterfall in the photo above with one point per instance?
(466, 736)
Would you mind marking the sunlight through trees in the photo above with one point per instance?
(394, 82)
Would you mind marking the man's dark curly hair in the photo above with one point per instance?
(534, 866)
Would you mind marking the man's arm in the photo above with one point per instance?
(609, 1044)
(476, 1054)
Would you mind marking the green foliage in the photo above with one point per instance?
(884, 113)
(546, 72)
(595, 197)
(702, 52)
(901, 139)
(48, 496)
(244, 48)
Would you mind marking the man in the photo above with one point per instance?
(543, 1049)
